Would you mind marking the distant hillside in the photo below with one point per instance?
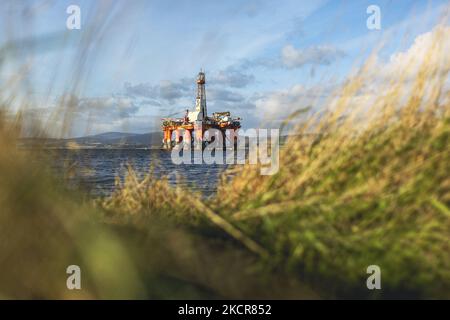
(108, 139)
(107, 136)
(120, 138)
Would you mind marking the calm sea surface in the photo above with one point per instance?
(95, 169)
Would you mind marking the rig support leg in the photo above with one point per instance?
(234, 138)
(167, 143)
(187, 138)
(199, 132)
(224, 139)
(177, 136)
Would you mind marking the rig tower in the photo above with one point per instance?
(200, 102)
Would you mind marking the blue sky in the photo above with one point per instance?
(133, 62)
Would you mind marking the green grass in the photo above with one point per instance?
(372, 187)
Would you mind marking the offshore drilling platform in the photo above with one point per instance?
(192, 127)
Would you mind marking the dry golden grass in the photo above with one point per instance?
(371, 187)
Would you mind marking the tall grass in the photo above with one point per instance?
(358, 185)
(366, 190)
(371, 187)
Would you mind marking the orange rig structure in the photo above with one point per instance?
(192, 127)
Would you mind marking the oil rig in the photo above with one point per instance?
(192, 127)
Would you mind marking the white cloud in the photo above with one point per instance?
(233, 77)
(431, 48)
(427, 58)
(276, 106)
(316, 55)
(121, 107)
(168, 91)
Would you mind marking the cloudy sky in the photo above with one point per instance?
(133, 62)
